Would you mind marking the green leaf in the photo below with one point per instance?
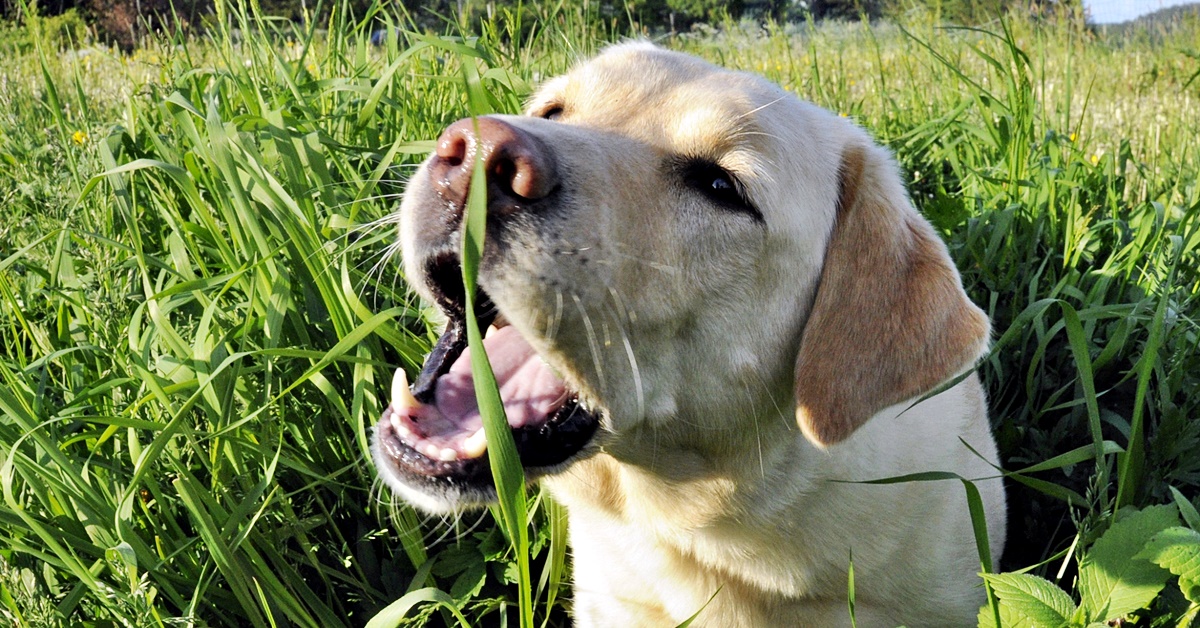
(1112, 583)
(6, 598)
(1132, 464)
(1077, 338)
(1075, 456)
(457, 559)
(1009, 618)
(850, 591)
(1185, 620)
(554, 573)
(1031, 598)
(507, 472)
(470, 582)
(396, 611)
(1186, 509)
(1177, 550)
(688, 622)
(125, 558)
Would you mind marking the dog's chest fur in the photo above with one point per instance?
(652, 544)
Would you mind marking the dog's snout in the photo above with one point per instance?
(519, 167)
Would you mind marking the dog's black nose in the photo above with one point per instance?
(519, 167)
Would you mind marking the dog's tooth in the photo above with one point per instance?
(431, 451)
(475, 444)
(447, 454)
(397, 424)
(402, 397)
(490, 330)
(401, 427)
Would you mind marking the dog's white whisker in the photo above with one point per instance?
(555, 320)
(620, 316)
(593, 343)
(744, 134)
(759, 108)
(649, 263)
(383, 259)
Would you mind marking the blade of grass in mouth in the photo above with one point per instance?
(507, 473)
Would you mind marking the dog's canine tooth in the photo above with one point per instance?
(475, 444)
(402, 397)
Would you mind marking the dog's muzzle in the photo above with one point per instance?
(430, 438)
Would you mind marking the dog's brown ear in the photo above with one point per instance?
(890, 319)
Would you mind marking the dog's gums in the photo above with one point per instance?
(451, 427)
(434, 430)
(403, 415)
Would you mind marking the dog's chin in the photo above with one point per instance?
(429, 446)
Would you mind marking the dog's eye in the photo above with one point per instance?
(720, 187)
(552, 113)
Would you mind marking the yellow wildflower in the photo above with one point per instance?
(79, 137)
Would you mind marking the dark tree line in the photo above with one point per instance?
(123, 22)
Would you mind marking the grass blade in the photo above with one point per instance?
(507, 472)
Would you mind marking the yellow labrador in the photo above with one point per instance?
(715, 303)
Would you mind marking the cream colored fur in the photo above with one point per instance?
(748, 373)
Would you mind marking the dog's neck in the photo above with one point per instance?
(651, 478)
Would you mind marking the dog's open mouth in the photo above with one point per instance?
(434, 431)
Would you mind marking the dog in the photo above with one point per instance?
(716, 315)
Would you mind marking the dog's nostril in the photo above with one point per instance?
(504, 179)
(519, 167)
(504, 170)
(530, 177)
(453, 147)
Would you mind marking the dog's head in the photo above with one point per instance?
(673, 251)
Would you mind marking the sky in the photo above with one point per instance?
(1114, 11)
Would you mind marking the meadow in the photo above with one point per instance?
(200, 306)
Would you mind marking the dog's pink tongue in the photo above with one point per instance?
(529, 389)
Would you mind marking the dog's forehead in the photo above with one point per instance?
(666, 98)
(773, 142)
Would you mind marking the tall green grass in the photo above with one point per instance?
(199, 312)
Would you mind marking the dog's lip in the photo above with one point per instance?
(450, 424)
(542, 446)
(426, 434)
